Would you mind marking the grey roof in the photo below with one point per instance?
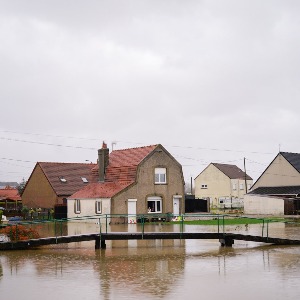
(293, 159)
(232, 171)
(276, 190)
(3, 184)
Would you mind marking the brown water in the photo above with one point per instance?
(191, 269)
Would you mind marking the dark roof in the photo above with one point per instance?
(232, 171)
(277, 190)
(71, 173)
(10, 183)
(293, 159)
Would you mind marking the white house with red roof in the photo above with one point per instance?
(144, 180)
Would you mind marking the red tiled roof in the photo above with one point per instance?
(100, 189)
(232, 171)
(71, 172)
(123, 163)
(9, 194)
(120, 172)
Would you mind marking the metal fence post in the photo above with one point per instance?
(143, 226)
(105, 222)
(263, 226)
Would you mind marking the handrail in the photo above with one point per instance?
(181, 219)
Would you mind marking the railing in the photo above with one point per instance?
(220, 223)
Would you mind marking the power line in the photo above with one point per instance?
(47, 144)
(118, 141)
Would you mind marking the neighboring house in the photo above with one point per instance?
(10, 198)
(223, 184)
(145, 180)
(51, 183)
(4, 184)
(277, 190)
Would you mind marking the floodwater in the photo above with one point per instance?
(158, 269)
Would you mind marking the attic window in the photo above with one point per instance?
(62, 179)
(84, 179)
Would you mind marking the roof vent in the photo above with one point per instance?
(62, 179)
(84, 179)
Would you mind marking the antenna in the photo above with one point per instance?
(112, 145)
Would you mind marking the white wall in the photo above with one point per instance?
(258, 204)
(88, 208)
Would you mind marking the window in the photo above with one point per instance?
(234, 186)
(203, 186)
(241, 186)
(84, 179)
(77, 208)
(98, 207)
(160, 175)
(154, 204)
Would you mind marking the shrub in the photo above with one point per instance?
(19, 233)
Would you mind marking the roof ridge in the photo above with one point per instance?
(154, 145)
(65, 163)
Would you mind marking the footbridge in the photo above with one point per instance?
(223, 228)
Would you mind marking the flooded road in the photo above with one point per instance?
(159, 269)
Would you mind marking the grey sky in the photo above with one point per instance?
(212, 81)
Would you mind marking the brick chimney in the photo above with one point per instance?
(103, 160)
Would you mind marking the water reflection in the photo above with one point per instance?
(154, 269)
(148, 272)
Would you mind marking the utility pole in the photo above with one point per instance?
(245, 175)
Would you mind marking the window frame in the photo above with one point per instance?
(77, 206)
(161, 172)
(153, 209)
(98, 203)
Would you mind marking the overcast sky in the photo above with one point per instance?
(212, 81)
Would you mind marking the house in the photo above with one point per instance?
(277, 190)
(222, 184)
(10, 198)
(51, 183)
(145, 180)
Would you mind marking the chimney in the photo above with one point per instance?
(103, 159)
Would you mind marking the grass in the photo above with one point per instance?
(229, 221)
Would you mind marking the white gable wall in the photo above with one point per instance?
(279, 173)
(88, 208)
(264, 205)
(212, 183)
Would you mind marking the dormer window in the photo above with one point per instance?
(62, 179)
(84, 179)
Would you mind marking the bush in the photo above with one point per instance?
(19, 233)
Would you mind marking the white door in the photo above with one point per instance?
(132, 211)
(176, 206)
